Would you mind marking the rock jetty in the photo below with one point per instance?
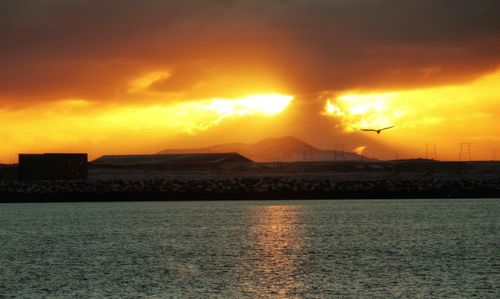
(240, 188)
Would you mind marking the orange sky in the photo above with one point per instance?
(109, 77)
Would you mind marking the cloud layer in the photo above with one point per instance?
(54, 49)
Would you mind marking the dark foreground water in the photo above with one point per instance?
(383, 248)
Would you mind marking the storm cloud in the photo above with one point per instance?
(53, 49)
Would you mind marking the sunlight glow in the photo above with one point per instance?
(269, 104)
(416, 108)
(363, 110)
(195, 116)
(144, 82)
(360, 149)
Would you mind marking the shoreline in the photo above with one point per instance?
(254, 188)
(108, 199)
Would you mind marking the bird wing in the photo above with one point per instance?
(369, 130)
(387, 128)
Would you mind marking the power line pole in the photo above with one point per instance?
(465, 149)
(431, 151)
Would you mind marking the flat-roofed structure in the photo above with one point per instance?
(53, 167)
(174, 161)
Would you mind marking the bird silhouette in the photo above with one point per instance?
(377, 130)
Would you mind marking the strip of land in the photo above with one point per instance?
(269, 181)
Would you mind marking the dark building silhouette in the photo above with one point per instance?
(53, 167)
(175, 161)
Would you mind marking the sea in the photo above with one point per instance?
(252, 249)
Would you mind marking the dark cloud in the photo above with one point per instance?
(56, 48)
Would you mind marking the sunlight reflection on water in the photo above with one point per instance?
(275, 251)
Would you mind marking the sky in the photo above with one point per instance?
(122, 76)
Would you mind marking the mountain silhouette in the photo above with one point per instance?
(285, 149)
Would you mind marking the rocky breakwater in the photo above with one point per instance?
(247, 188)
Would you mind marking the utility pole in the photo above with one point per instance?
(465, 149)
(431, 151)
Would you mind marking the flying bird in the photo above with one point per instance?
(377, 130)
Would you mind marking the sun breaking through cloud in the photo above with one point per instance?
(58, 125)
(416, 108)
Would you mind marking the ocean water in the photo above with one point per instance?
(255, 249)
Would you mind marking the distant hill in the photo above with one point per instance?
(286, 149)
